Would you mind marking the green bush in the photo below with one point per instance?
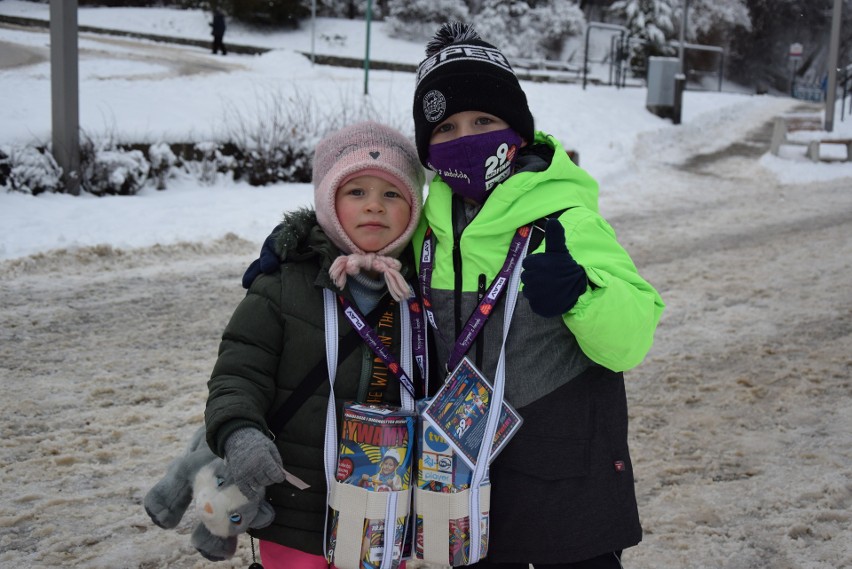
(30, 170)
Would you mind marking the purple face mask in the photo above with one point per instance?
(473, 165)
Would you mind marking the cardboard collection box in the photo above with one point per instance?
(441, 469)
(376, 454)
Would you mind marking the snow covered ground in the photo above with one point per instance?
(112, 307)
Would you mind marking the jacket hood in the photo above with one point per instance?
(293, 233)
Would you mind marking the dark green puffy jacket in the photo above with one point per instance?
(275, 336)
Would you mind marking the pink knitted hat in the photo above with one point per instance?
(366, 148)
(353, 151)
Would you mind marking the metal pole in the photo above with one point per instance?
(313, 28)
(793, 69)
(367, 55)
(832, 66)
(680, 81)
(682, 49)
(64, 91)
(586, 58)
(614, 60)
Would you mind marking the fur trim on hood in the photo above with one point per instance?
(292, 235)
(299, 237)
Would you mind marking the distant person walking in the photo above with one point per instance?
(218, 25)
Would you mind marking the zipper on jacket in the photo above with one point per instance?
(480, 338)
(458, 225)
(366, 372)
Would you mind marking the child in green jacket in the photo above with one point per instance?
(562, 489)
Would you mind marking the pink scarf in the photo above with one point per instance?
(352, 264)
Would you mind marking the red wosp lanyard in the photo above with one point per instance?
(477, 320)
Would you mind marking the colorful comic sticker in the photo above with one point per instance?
(459, 413)
(376, 453)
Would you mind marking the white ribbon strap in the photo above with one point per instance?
(406, 359)
(330, 444)
(354, 504)
(436, 509)
(480, 472)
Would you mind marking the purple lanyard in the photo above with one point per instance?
(418, 339)
(356, 319)
(477, 320)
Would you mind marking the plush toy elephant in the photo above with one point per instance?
(223, 511)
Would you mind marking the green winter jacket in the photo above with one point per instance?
(614, 321)
(562, 488)
(275, 336)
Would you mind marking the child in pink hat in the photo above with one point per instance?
(368, 184)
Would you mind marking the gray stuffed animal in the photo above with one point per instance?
(224, 511)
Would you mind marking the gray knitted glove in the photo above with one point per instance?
(253, 461)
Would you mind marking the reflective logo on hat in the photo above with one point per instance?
(462, 52)
(434, 105)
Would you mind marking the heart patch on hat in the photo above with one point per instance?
(375, 154)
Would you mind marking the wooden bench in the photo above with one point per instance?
(786, 124)
(813, 148)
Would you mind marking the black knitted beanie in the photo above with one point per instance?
(462, 72)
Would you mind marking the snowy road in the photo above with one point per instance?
(741, 418)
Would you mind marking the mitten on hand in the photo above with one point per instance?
(253, 460)
(268, 263)
(553, 281)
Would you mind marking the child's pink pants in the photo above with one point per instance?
(275, 556)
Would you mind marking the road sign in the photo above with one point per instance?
(796, 50)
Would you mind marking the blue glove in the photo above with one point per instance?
(268, 262)
(553, 281)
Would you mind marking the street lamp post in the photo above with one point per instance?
(833, 49)
(682, 48)
(313, 29)
(367, 54)
(64, 91)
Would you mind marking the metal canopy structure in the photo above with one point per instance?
(622, 31)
